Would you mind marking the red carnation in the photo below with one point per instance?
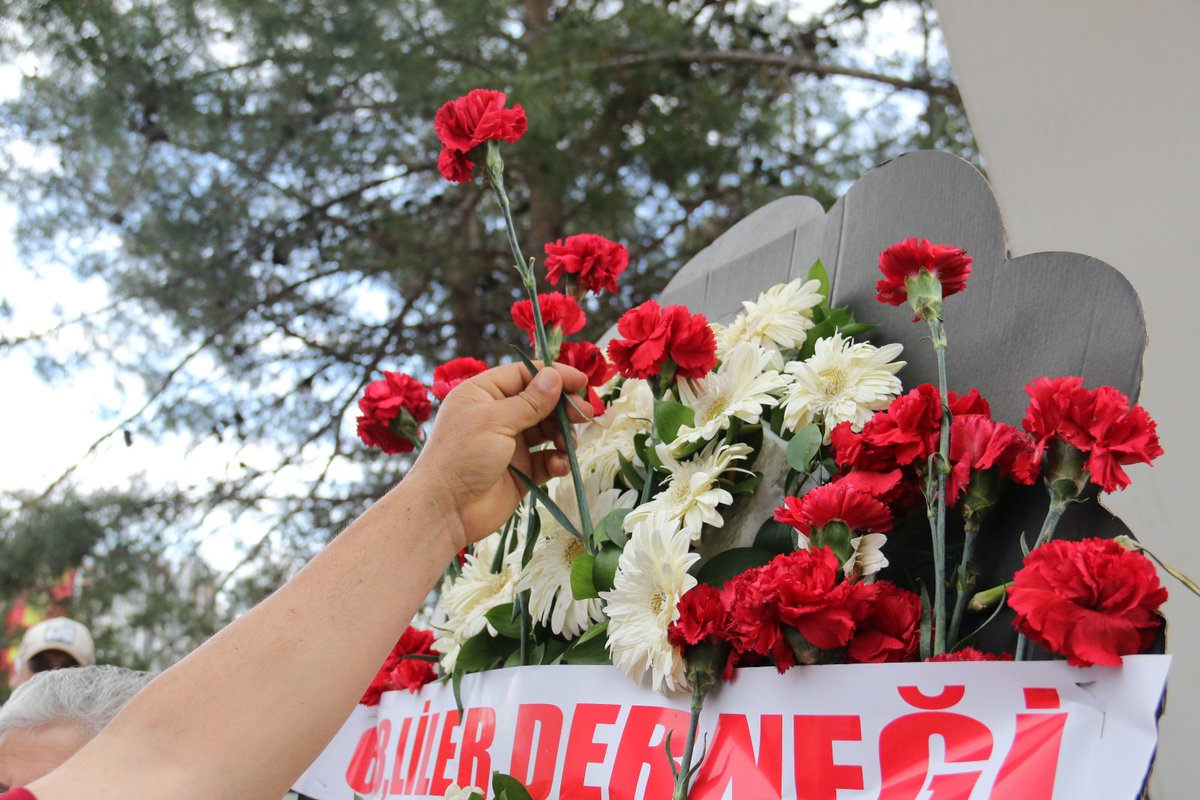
(642, 351)
(835, 502)
(558, 311)
(693, 345)
(810, 597)
(1098, 422)
(403, 673)
(594, 261)
(652, 334)
(469, 121)
(890, 631)
(907, 258)
(1092, 601)
(978, 443)
(384, 405)
(589, 359)
(454, 372)
(909, 430)
(970, 654)
(703, 617)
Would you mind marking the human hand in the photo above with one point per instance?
(483, 426)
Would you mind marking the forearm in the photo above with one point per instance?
(243, 715)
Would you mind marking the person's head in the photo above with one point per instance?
(53, 715)
(53, 644)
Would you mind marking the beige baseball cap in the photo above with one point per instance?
(60, 633)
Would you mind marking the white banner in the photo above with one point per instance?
(959, 731)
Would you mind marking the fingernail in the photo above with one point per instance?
(544, 380)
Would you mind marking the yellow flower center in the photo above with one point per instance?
(571, 552)
(835, 379)
(658, 601)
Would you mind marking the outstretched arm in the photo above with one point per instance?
(248, 711)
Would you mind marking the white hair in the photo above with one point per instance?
(86, 696)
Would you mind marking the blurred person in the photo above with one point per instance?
(244, 714)
(53, 644)
(51, 716)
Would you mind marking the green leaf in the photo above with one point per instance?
(604, 568)
(591, 649)
(730, 563)
(818, 273)
(614, 526)
(582, 587)
(599, 629)
(501, 618)
(533, 529)
(545, 500)
(855, 329)
(747, 485)
(552, 650)
(669, 417)
(509, 787)
(775, 537)
(482, 651)
(629, 472)
(822, 330)
(803, 447)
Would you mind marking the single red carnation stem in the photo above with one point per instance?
(1058, 505)
(966, 584)
(494, 169)
(684, 776)
(942, 465)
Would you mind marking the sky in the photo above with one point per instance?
(48, 428)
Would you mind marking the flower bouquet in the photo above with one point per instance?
(774, 540)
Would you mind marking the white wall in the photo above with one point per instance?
(1088, 117)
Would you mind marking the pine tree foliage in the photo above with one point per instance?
(255, 185)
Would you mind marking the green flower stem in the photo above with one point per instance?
(964, 579)
(495, 177)
(684, 776)
(1058, 505)
(942, 465)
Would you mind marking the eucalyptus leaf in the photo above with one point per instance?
(614, 526)
(501, 618)
(775, 537)
(803, 447)
(604, 567)
(582, 586)
(669, 417)
(593, 650)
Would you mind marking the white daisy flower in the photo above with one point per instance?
(692, 495)
(601, 442)
(652, 575)
(742, 388)
(868, 557)
(461, 793)
(547, 576)
(841, 382)
(476, 591)
(779, 319)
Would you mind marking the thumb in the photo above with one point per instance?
(535, 402)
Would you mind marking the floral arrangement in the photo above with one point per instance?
(732, 501)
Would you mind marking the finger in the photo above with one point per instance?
(534, 403)
(547, 464)
(510, 380)
(543, 432)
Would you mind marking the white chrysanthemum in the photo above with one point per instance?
(463, 793)
(476, 591)
(547, 576)
(602, 442)
(841, 382)
(779, 319)
(692, 494)
(868, 557)
(652, 575)
(742, 388)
